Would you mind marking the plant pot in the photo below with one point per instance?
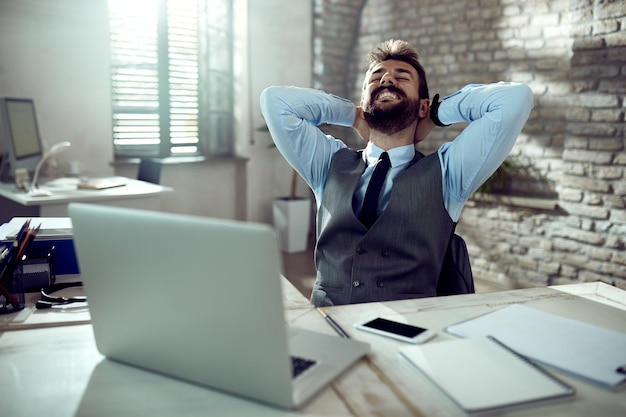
(292, 220)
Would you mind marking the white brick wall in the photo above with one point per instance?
(572, 53)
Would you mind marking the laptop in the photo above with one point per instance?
(200, 300)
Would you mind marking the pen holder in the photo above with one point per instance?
(32, 272)
(38, 268)
(11, 288)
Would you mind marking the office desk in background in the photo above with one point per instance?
(135, 194)
(57, 370)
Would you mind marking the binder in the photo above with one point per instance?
(481, 374)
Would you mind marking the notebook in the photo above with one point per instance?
(481, 374)
(582, 349)
(199, 299)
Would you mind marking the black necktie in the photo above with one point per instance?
(370, 202)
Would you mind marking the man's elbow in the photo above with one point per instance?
(518, 103)
(525, 97)
(268, 96)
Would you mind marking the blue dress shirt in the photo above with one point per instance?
(495, 113)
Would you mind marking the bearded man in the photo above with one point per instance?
(385, 214)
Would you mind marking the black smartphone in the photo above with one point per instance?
(397, 330)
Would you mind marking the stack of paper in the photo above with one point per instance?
(583, 349)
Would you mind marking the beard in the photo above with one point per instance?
(389, 118)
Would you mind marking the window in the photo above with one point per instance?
(171, 73)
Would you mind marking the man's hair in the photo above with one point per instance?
(401, 51)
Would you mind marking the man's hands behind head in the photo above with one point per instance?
(360, 125)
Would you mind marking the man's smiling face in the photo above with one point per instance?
(391, 96)
(390, 81)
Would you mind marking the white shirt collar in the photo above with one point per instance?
(398, 156)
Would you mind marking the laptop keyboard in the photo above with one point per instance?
(299, 365)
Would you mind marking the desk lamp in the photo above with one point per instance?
(34, 190)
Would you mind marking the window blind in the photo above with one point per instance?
(164, 77)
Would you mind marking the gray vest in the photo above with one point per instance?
(400, 256)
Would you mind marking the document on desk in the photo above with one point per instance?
(589, 351)
(101, 183)
(51, 227)
(481, 374)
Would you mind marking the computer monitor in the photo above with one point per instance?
(19, 136)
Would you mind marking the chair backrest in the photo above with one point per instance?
(456, 274)
(149, 170)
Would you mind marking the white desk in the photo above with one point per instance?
(58, 371)
(135, 194)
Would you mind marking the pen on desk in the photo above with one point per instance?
(334, 324)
